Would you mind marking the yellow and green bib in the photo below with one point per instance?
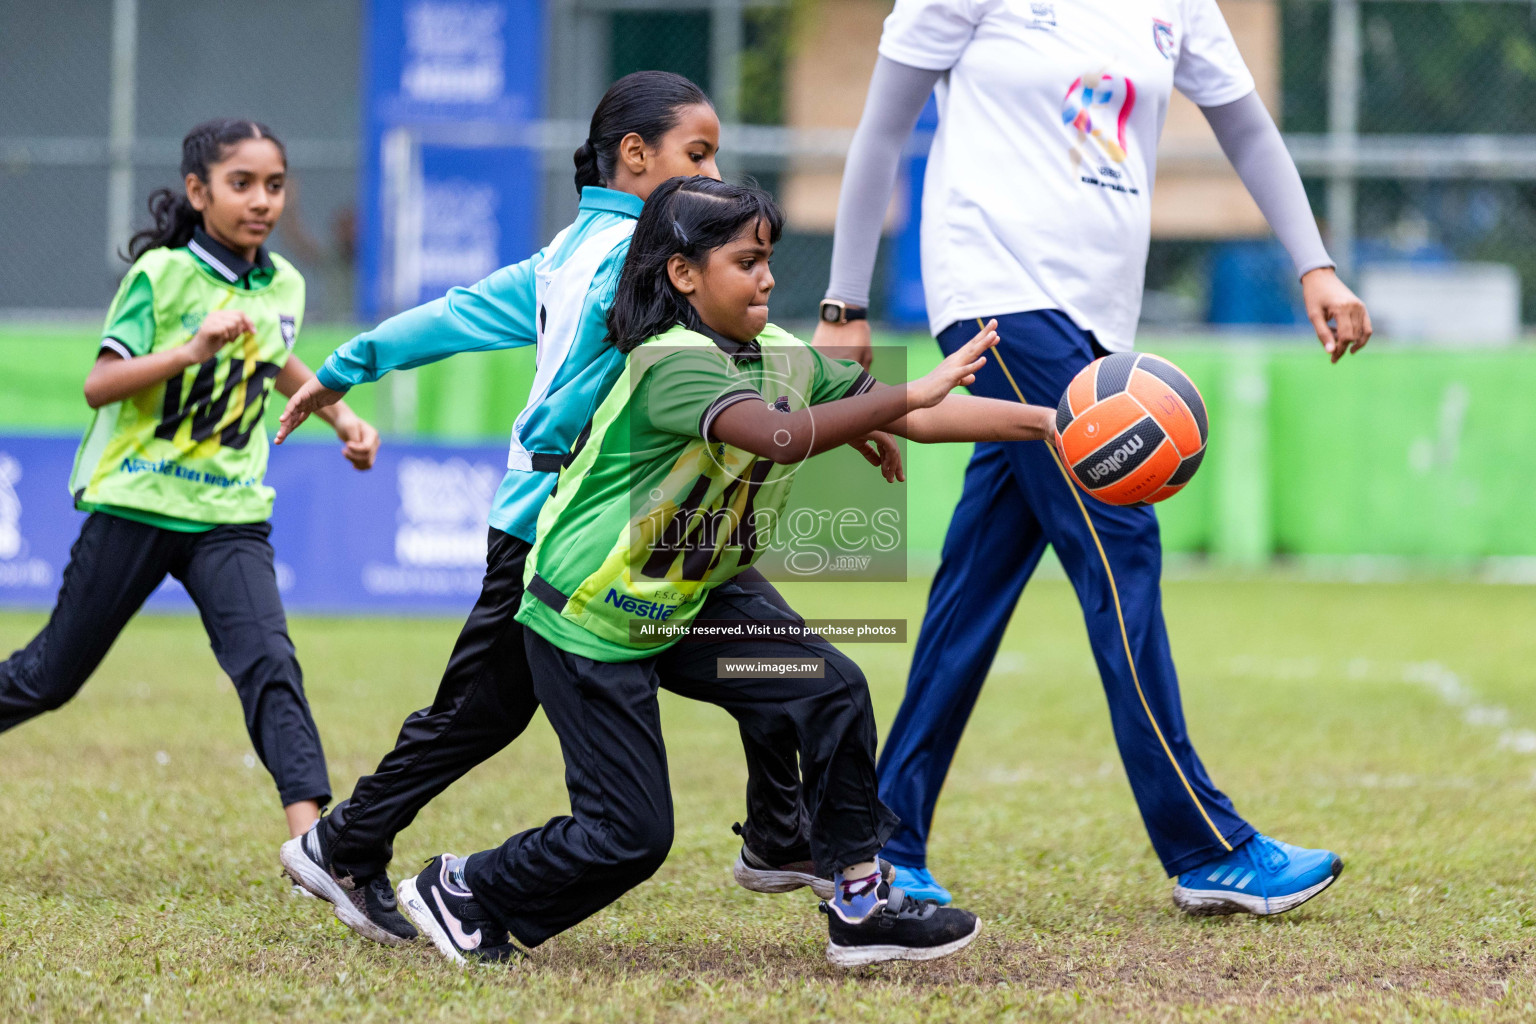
(194, 448)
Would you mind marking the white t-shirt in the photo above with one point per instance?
(1038, 193)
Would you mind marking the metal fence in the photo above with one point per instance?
(1413, 122)
(95, 96)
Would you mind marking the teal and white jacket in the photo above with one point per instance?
(558, 300)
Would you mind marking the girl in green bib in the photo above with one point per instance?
(171, 469)
(673, 495)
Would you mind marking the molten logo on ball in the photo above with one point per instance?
(1119, 457)
(1131, 429)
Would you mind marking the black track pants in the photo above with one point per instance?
(542, 881)
(114, 565)
(486, 699)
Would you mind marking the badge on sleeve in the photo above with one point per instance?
(1162, 35)
(289, 326)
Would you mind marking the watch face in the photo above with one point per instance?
(830, 313)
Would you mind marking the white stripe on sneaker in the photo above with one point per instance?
(1210, 902)
(309, 875)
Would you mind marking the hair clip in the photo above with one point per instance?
(677, 230)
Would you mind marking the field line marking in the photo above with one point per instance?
(1435, 676)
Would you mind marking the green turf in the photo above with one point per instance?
(1388, 721)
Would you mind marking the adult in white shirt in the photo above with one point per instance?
(1037, 212)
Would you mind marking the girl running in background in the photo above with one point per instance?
(171, 469)
(671, 496)
(649, 126)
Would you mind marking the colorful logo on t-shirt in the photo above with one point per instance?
(1097, 107)
(1162, 35)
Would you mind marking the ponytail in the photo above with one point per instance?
(645, 103)
(587, 172)
(690, 217)
(174, 216)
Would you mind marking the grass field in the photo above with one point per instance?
(1391, 722)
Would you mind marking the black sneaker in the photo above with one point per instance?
(366, 905)
(759, 874)
(449, 915)
(898, 929)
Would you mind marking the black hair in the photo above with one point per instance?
(205, 145)
(645, 103)
(690, 217)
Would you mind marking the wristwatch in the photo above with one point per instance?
(835, 311)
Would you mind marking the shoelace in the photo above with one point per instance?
(383, 891)
(1268, 853)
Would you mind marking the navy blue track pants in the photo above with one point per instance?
(1017, 499)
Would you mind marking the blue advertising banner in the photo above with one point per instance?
(450, 180)
(407, 536)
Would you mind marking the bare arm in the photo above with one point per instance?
(293, 376)
(794, 437)
(969, 418)
(113, 378)
(361, 440)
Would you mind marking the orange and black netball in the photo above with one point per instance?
(1131, 428)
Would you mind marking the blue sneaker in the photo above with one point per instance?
(1262, 876)
(919, 885)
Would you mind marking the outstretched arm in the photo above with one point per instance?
(1252, 142)
(793, 437)
(969, 418)
(360, 439)
(495, 313)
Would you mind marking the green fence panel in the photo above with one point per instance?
(42, 372)
(475, 395)
(1404, 453)
(1410, 452)
(1188, 519)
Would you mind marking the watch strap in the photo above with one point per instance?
(846, 313)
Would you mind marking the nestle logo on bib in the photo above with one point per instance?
(1115, 459)
(638, 608)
